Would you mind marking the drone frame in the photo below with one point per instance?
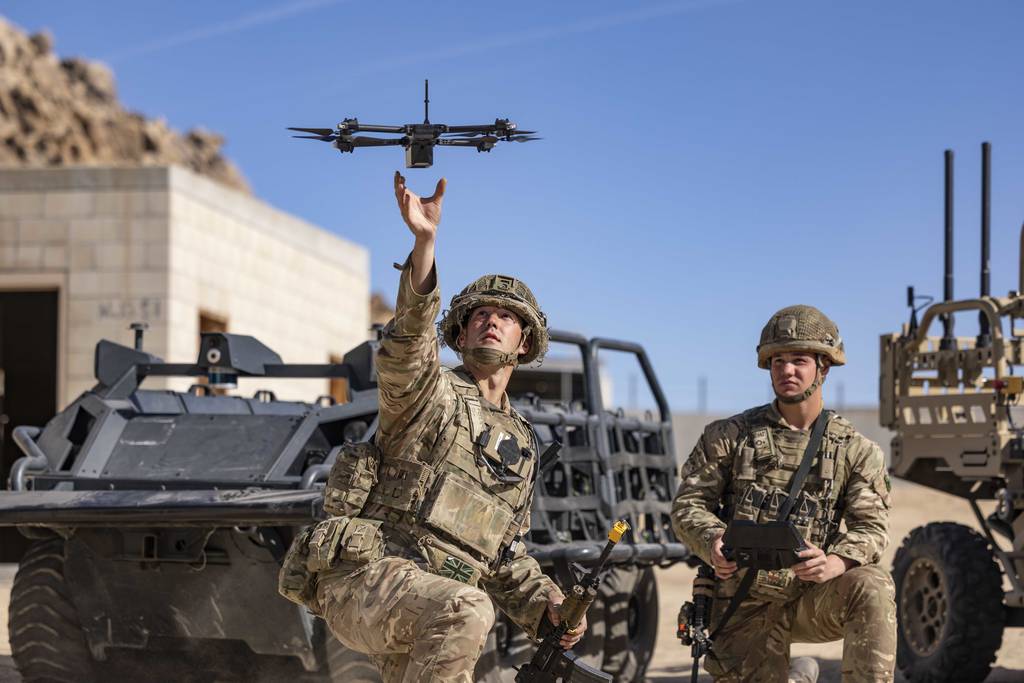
(419, 139)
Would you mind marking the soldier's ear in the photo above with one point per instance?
(525, 342)
(460, 340)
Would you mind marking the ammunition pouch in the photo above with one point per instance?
(295, 582)
(449, 561)
(352, 476)
(343, 539)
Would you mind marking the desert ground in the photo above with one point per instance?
(912, 506)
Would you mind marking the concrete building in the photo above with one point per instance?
(84, 252)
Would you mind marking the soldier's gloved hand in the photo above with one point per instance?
(724, 569)
(817, 567)
(554, 616)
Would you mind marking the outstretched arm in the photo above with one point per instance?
(422, 215)
(408, 371)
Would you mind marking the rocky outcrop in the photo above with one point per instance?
(59, 112)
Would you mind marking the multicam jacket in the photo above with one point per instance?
(741, 468)
(444, 499)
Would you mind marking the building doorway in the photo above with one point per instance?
(28, 381)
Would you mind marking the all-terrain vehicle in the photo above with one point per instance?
(160, 517)
(953, 403)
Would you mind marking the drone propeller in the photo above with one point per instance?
(324, 138)
(315, 131)
(523, 138)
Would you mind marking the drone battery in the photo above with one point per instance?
(419, 155)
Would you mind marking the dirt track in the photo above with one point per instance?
(913, 506)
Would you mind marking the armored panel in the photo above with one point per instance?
(222, 447)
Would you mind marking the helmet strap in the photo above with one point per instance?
(819, 379)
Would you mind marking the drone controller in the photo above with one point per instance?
(762, 545)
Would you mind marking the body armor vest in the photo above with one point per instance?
(459, 505)
(765, 458)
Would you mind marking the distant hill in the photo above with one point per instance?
(62, 112)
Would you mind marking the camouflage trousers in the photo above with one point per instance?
(858, 607)
(414, 625)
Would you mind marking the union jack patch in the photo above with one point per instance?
(454, 568)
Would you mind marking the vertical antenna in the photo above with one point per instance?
(426, 100)
(984, 333)
(948, 340)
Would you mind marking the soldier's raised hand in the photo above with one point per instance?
(422, 215)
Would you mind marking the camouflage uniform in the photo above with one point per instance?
(422, 611)
(741, 468)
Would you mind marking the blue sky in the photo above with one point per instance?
(704, 163)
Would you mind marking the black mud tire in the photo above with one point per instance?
(630, 598)
(348, 666)
(47, 642)
(949, 604)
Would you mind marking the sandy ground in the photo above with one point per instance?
(913, 506)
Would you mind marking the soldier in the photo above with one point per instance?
(741, 468)
(404, 568)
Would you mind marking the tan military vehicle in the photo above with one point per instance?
(953, 404)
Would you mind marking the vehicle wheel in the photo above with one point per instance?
(47, 643)
(630, 598)
(348, 666)
(949, 604)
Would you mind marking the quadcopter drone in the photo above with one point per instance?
(419, 139)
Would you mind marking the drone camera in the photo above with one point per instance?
(419, 155)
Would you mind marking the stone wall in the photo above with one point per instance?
(161, 244)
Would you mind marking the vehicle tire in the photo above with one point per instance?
(949, 604)
(47, 643)
(630, 597)
(348, 666)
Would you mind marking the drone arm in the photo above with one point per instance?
(370, 128)
(483, 128)
(456, 142)
(362, 141)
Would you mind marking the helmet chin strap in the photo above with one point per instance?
(809, 391)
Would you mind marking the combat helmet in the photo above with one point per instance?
(505, 292)
(800, 328)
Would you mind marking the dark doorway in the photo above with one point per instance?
(28, 381)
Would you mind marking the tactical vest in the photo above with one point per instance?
(765, 457)
(458, 507)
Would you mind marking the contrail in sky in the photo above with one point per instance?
(231, 26)
(633, 16)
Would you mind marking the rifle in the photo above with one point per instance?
(695, 617)
(551, 662)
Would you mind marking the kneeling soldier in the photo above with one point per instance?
(427, 523)
(741, 469)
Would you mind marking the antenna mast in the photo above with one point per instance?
(426, 100)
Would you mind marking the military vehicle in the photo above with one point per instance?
(160, 518)
(953, 403)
